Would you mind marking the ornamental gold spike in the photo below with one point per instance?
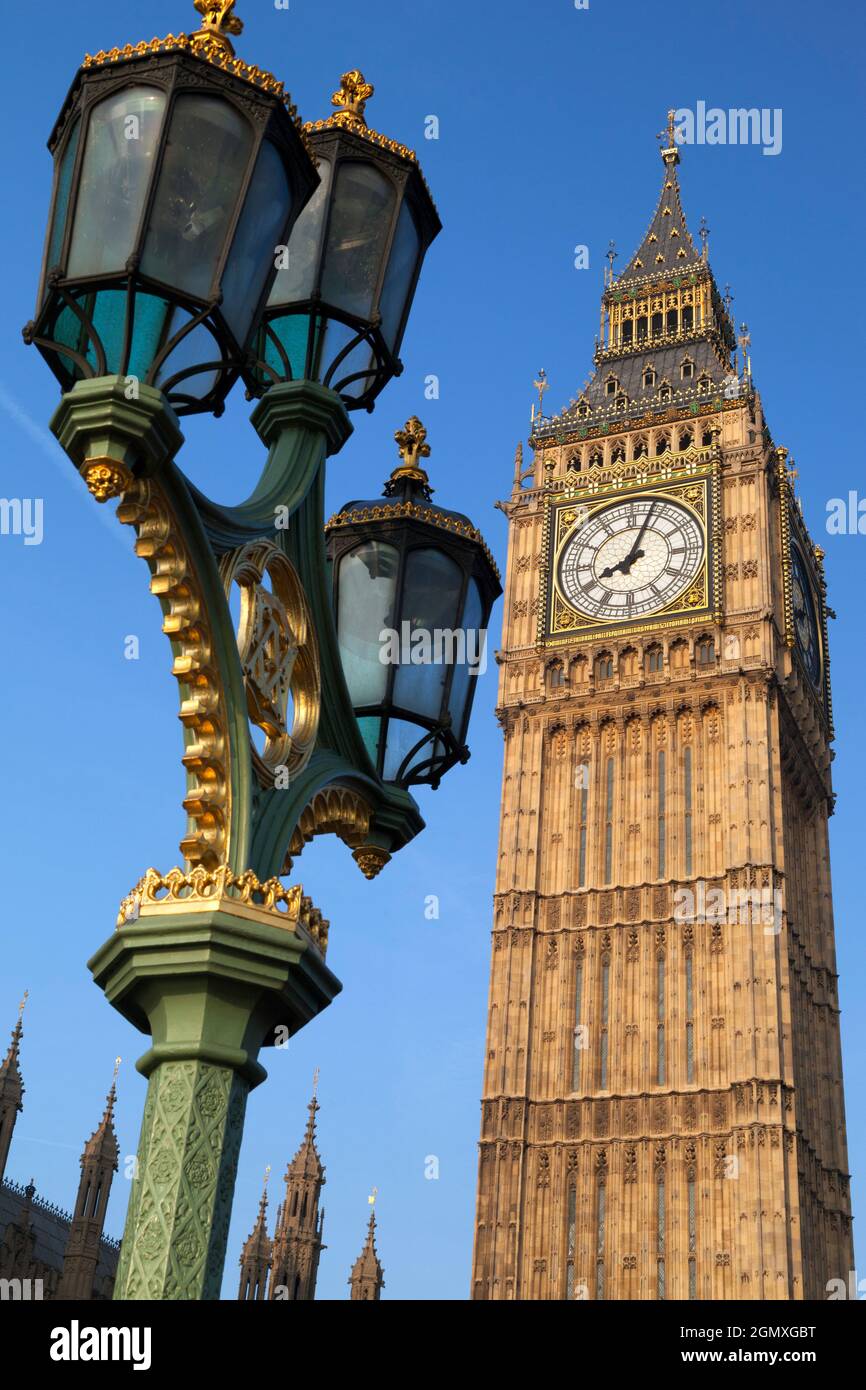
(412, 443)
(353, 96)
(218, 21)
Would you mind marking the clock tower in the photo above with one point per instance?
(663, 1113)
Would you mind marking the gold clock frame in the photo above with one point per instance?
(560, 623)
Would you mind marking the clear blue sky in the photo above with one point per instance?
(548, 120)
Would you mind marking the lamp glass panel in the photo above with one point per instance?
(361, 213)
(401, 739)
(255, 247)
(123, 136)
(295, 282)
(367, 588)
(371, 729)
(466, 671)
(431, 606)
(206, 159)
(61, 200)
(197, 349)
(109, 321)
(400, 274)
(360, 358)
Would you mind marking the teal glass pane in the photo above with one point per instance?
(61, 201)
(197, 348)
(370, 729)
(361, 213)
(365, 617)
(295, 282)
(109, 315)
(151, 313)
(122, 141)
(430, 606)
(466, 671)
(206, 158)
(293, 332)
(400, 274)
(257, 242)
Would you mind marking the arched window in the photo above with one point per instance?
(687, 802)
(618, 454)
(661, 821)
(673, 320)
(664, 392)
(662, 445)
(657, 325)
(627, 331)
(655, 660)
(642, 328)
(596, 459)
(688, 317)
(610, 386)
(705, 651)
(604, 667)
(571, 1239)
(639, 449)
(583, 410)
(555, 675)
(686, 439)
(578, 1025)
(704, 384)
(621, 401)
(660, 1234)
(706, 439)
(608, 830)
(649, 376)
(687, 369)
(574, 463)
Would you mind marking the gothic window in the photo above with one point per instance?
(604, 667)
(603, 1056)
(555, 675)
(611, 386)
(690, 1019)
(574, 463)
(583, 410)
(599, 1244)
(642, 328)
(657, 325)
(608, 822)
(660, 1235)
(660, 1021)
(571, 1240)
(628, 662)
(583, 820)
(664, 391)
(578, 1036)
(655, 660)
(621, 401)
(596, 459)
(577, 670)
(706, 439)
(649, 376)
(618, 454)
(627, 330)
(660, 816)
(688, 318)
(673, 320)
(687, 369)
(678, 656)
(687, 802)
(639, 449)
(704, 384)
(686, 439)
(705, 651)
(662, 443)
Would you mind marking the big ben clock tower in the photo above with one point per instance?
(663, 1112)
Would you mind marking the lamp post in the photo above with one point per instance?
(180, 177)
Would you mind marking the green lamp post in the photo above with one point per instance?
(192, 241)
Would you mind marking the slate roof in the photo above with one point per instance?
(667, 245)
(50, 1226)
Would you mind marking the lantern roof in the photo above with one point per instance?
(408, 493)
(212, 42)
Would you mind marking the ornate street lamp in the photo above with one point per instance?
(414, 586)
(339, 307)
(178, 173)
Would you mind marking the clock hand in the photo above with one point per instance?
(636, 553)
(623, 566)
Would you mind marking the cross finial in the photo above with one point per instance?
(541, 385)
(372, 1197)
(117, 1062)
(611, 254)
(353, 95)
(671, 119)
(704, 233)
(728, 300)
(23, 1004)
(218, 21)
(670, 153)
(315, 1082)
(267, 1176)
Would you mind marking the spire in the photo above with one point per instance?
(298, 1235)
(256, 1256)
(98, 1166)
(11, 1087)
(366, 1280)
(667, 246)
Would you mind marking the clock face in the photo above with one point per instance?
(631, 558)
(805, 619)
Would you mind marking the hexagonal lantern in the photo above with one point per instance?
(178, 172)
(414, 585)
(339, 307)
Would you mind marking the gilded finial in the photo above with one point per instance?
(117, 1062)
(218, 21)
(353, 96)
(704, 234)
(670, 153)
(541, 385)
(315, 1083)
(372, 1197)
(413, 446)
(23, 1004)
(267, 1177)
